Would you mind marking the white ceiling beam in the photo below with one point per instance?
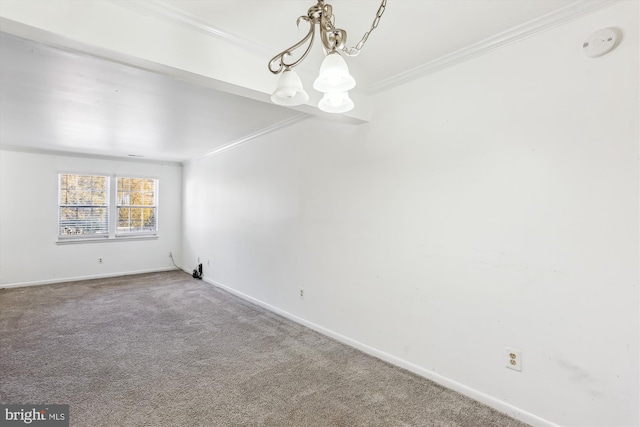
(145, 38)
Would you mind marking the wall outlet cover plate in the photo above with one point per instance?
(514, 359)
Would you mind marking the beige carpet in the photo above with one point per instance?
(164, 349)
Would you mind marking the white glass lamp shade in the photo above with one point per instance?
(336, 102)
(334, 75)
(289, 91)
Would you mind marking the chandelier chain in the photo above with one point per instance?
(354, 51)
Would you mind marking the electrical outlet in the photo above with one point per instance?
(208, 263)
(170, 254)
(301, 293)
(514, 359)
(99, 260)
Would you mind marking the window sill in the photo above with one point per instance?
(105, 239)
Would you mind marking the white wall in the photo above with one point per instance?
(29, 253)
(491, 204)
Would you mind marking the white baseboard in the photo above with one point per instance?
(78, 278)
(479, 396)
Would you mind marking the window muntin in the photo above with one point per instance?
(136, 205)
(83, 206)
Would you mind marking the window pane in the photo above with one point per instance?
(99, 198)
(72, 197)
(100, 222)
(72, 182)
(84, 207)
(136, 200)
(149, 219)
(148, 199)
(84, 197)
(100, 183)
(84, 182)
(83, 213)
(123, 220)
(136, 215)
(123, 214)
(67, 221)
(124, 184)
(68, 213)
(137, 184)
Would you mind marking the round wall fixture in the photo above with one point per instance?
(601, 42)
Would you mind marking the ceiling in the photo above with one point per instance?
(68, 101)
(73, 98)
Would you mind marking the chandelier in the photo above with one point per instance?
(334, 80)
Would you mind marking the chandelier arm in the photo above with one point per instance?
(328, 18)
(332, 38)
(354, 51)
(278, 64)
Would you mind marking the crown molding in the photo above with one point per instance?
(175, 16)
(170, 14)
(269, 129)
(535, 26)
(49, 152)
(545, 22)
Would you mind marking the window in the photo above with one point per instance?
(136, 205)
(86, 206)
(83, 206)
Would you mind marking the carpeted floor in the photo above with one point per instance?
(164, 349)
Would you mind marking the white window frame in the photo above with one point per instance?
(112, 209)
(106, 206)
(118, 204)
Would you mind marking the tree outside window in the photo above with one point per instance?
(83, 206)
(136, 205)
(86, 208)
